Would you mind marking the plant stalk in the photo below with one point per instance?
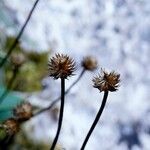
(61, 113)
(96, 119)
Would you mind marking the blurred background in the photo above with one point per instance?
(117, 34)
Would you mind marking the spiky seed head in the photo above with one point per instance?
(61, 66)
(17, 59)
(23, 112)
(107, 81)
(89, 63)
(11, 126)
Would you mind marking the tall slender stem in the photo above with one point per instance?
(19, 35)
(57, 99)
(61, 113)
(9, 85)
(96, 120)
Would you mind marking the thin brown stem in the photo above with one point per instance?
(57, 99)
(61, 113)
(96, 120)
(19, 35)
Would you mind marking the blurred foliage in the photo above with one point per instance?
(2, 134)
(8, 104)
(31, 73)
(23, 142)
(28, 80)
(6, 109)
(9, 42)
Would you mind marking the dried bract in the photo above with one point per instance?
(89, 63)
(23, 111)
(61, 66)
(107, 81)
(11, 126)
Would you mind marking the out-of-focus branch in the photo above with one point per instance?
(19, 35)
(17, 61)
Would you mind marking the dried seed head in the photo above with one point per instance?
(17, 59)
(89, 63)
(11, 126)
(23, 111)
(107, 81)
(61, 66)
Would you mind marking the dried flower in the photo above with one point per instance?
(89, 63)
(107, 81)
(17, 59)
(61, 66)
(23, 111)
(11, 126)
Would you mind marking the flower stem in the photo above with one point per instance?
(19, 35)
(96, 119)
(61, 113)
(57, 99)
